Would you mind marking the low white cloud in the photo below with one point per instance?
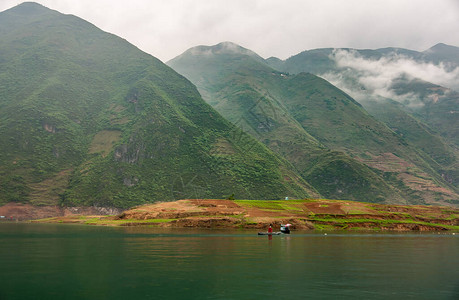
(378, 72)
(362, 77)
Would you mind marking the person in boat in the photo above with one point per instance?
(270, 228)
(285, 228)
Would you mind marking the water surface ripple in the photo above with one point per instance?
(45, 261)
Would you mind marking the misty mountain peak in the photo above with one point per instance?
(23, 14)
(28, 8)
(443, 53)
(439, 46)
(442, 48)
(230, 47)
(223, 48)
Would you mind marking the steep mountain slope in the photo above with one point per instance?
(389, 84)
(345, 126)
(88, 119)
(431, 146)
(301, 117)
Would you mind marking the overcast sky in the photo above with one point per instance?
(281, 28)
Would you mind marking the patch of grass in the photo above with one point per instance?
(103, 221)
(344, 222)
(403, 215)
(324, 227)
(358, 212)
(452, 217)
(44, 220)
(272, 205)
(293, 208)
(104, 141)
(91, 220)
(147, 221)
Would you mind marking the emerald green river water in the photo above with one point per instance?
(46, 261)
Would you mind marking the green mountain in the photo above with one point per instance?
(88, 119)
(388, 83)
(332, 141)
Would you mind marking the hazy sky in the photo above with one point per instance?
(282, 28)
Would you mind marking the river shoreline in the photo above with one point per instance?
(305, 214)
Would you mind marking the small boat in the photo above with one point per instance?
(270, 233)
(284, 229)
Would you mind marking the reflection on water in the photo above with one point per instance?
(75, 262)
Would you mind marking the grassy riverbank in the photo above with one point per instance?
(258, 214)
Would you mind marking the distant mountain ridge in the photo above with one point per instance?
(435, 54)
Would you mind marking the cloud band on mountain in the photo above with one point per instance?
(360, 76)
